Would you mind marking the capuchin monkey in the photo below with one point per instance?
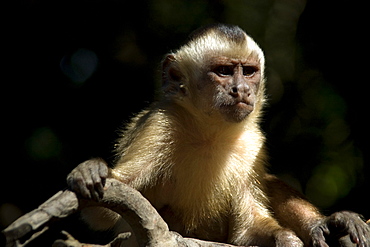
(198, 155)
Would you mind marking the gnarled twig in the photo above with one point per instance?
(149, 227)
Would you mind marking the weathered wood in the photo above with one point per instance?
(149, 227)
(31, 225)
(72, 242)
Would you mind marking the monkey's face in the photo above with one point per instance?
(218, 73)
(234, 83)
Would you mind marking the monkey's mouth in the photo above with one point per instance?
(236, 111)
(243, 105)
(238, 106)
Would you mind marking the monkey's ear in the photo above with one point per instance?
(171, 76)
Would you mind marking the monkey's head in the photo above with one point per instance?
(218, 72)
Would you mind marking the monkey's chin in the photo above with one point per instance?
(237, 113)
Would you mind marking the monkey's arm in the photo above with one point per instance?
(293, 211)
(290, 208)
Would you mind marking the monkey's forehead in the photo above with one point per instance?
(220, 59)
(210, 46)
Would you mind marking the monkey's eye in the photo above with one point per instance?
(249, 71)
(224, 70)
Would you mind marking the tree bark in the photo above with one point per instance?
(149, 227)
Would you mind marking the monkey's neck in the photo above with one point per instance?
(200, 143)
(201, 126)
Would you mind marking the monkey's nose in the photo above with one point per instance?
(234, 92)
(239, 90)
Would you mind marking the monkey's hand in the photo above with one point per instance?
(88, 179)
(338, 225)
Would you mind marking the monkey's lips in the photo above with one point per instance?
(239, 106)
(244, 106)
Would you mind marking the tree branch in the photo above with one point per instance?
(149, 227)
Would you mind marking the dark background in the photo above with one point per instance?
(75, 71)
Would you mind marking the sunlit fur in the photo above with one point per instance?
(205, 168)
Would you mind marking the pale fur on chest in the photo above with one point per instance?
(209, 176)
(200, 171)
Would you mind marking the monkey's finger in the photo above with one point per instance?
(77, 184)
(103, 170)
(358, 231)
(95, 195)
(87, 185)
(318, 238)
(320, 243)
(354, 234)
(361, 236)
(96, 187)
(366, 235)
